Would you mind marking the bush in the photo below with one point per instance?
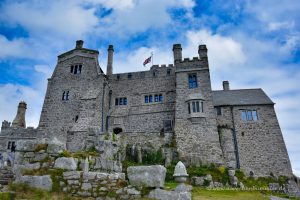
(40, 147)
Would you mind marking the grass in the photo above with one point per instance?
(199, 193)
(80, 154)
(40, 147)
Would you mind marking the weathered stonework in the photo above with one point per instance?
(80, 110)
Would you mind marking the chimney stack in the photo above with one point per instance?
(202, 51)
(110, 56)
(177, 52)
(79, 44)
(19, 120)
(226, 85)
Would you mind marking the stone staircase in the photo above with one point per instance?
(6, 176)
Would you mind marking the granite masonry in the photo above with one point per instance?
(170, 107)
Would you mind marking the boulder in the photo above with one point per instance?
(39, 157)
(31, 166)
(107, 165)
(198, 181)
(40, 182)
(147, 176)
(86, 186)
(169, 195)
(66, 163)
(55, 148)
(72, 175)
(292, 189)
(26, 145)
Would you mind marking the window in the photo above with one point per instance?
(10, 144)
(118, 76)
(169, 72)
(168, 125)
(156, 98)
(76, 118)
(146, 99)
(129, 75)
(150, 99)
(65, 96)
(193, 81)
(160, 97)
(121, 101)
(76, 69)
(219, 111)
(195, 107)
(249, 115)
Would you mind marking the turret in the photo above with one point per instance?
(177, 52)
(110, 56)
(19, 120)
(202, 51)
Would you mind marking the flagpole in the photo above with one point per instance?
(152, 57)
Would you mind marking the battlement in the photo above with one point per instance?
(154, 72)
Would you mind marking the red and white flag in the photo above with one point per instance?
(148, 60)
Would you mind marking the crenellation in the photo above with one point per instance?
(166, 105)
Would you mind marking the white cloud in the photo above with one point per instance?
(274, 26)
(14, 48)
(56, 18)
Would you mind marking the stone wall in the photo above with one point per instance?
(197, 136)
(261, 148)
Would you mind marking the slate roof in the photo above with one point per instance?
(241, 97)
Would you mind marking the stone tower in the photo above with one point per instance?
(195, 123)
(110, 56)
(19, 120)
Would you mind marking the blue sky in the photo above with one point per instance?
(253, 44)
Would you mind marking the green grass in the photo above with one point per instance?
(199, 193)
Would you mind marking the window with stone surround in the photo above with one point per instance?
(249, 115)
(65, 96)
(10, 144)
(193, 81)
(76, 69)
(121, 101)
(153, 98)
(195, 106)
(168, 72)
(219, 110)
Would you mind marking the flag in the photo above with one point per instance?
(148, 60)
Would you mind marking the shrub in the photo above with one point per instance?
(40, 147)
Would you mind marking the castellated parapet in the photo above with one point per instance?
(169, 107)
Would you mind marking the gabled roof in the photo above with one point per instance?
(241, 97)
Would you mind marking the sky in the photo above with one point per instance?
(251, 43)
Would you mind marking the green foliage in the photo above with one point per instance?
(106, 137)
(40, 147)
(282, 180)
(114, 137)
(239, 174)
(170, 172)
(170, 185)
(56, 176)
(65, 153)
(261, 182)
(153, 157)
(219, 174)
(111, 194)
(7, 196)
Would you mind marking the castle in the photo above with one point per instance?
(167, 106)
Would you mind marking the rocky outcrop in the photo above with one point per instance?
(41, 182)
(66, 163)
(147, 176)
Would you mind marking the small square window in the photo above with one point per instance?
(156, 98)
(129, 76)
(169, 72)
(219, 111)
(118, 76)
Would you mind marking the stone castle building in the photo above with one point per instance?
(168, 105)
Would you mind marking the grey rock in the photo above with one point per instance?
(234, 181)
(218, 184)
(31, 166)
(274, 186)
(65, 163)
(107, 165)
(73, 182)
(71, 175)
(231, 172)
(101, 176)
(26, 145)
(133, 191)
(147, 176)
(89, 175)
(198, 181)
(41, 182)
(183, 188)
(86, 186)
(39, 157)
(55, 148)
(292, 189)
(29, 155)
(169, 195)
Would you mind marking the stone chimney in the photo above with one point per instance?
(177, 52)
(202, 51)
(110, 57)
(79, 44)
(19, 120)
(226, 85)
